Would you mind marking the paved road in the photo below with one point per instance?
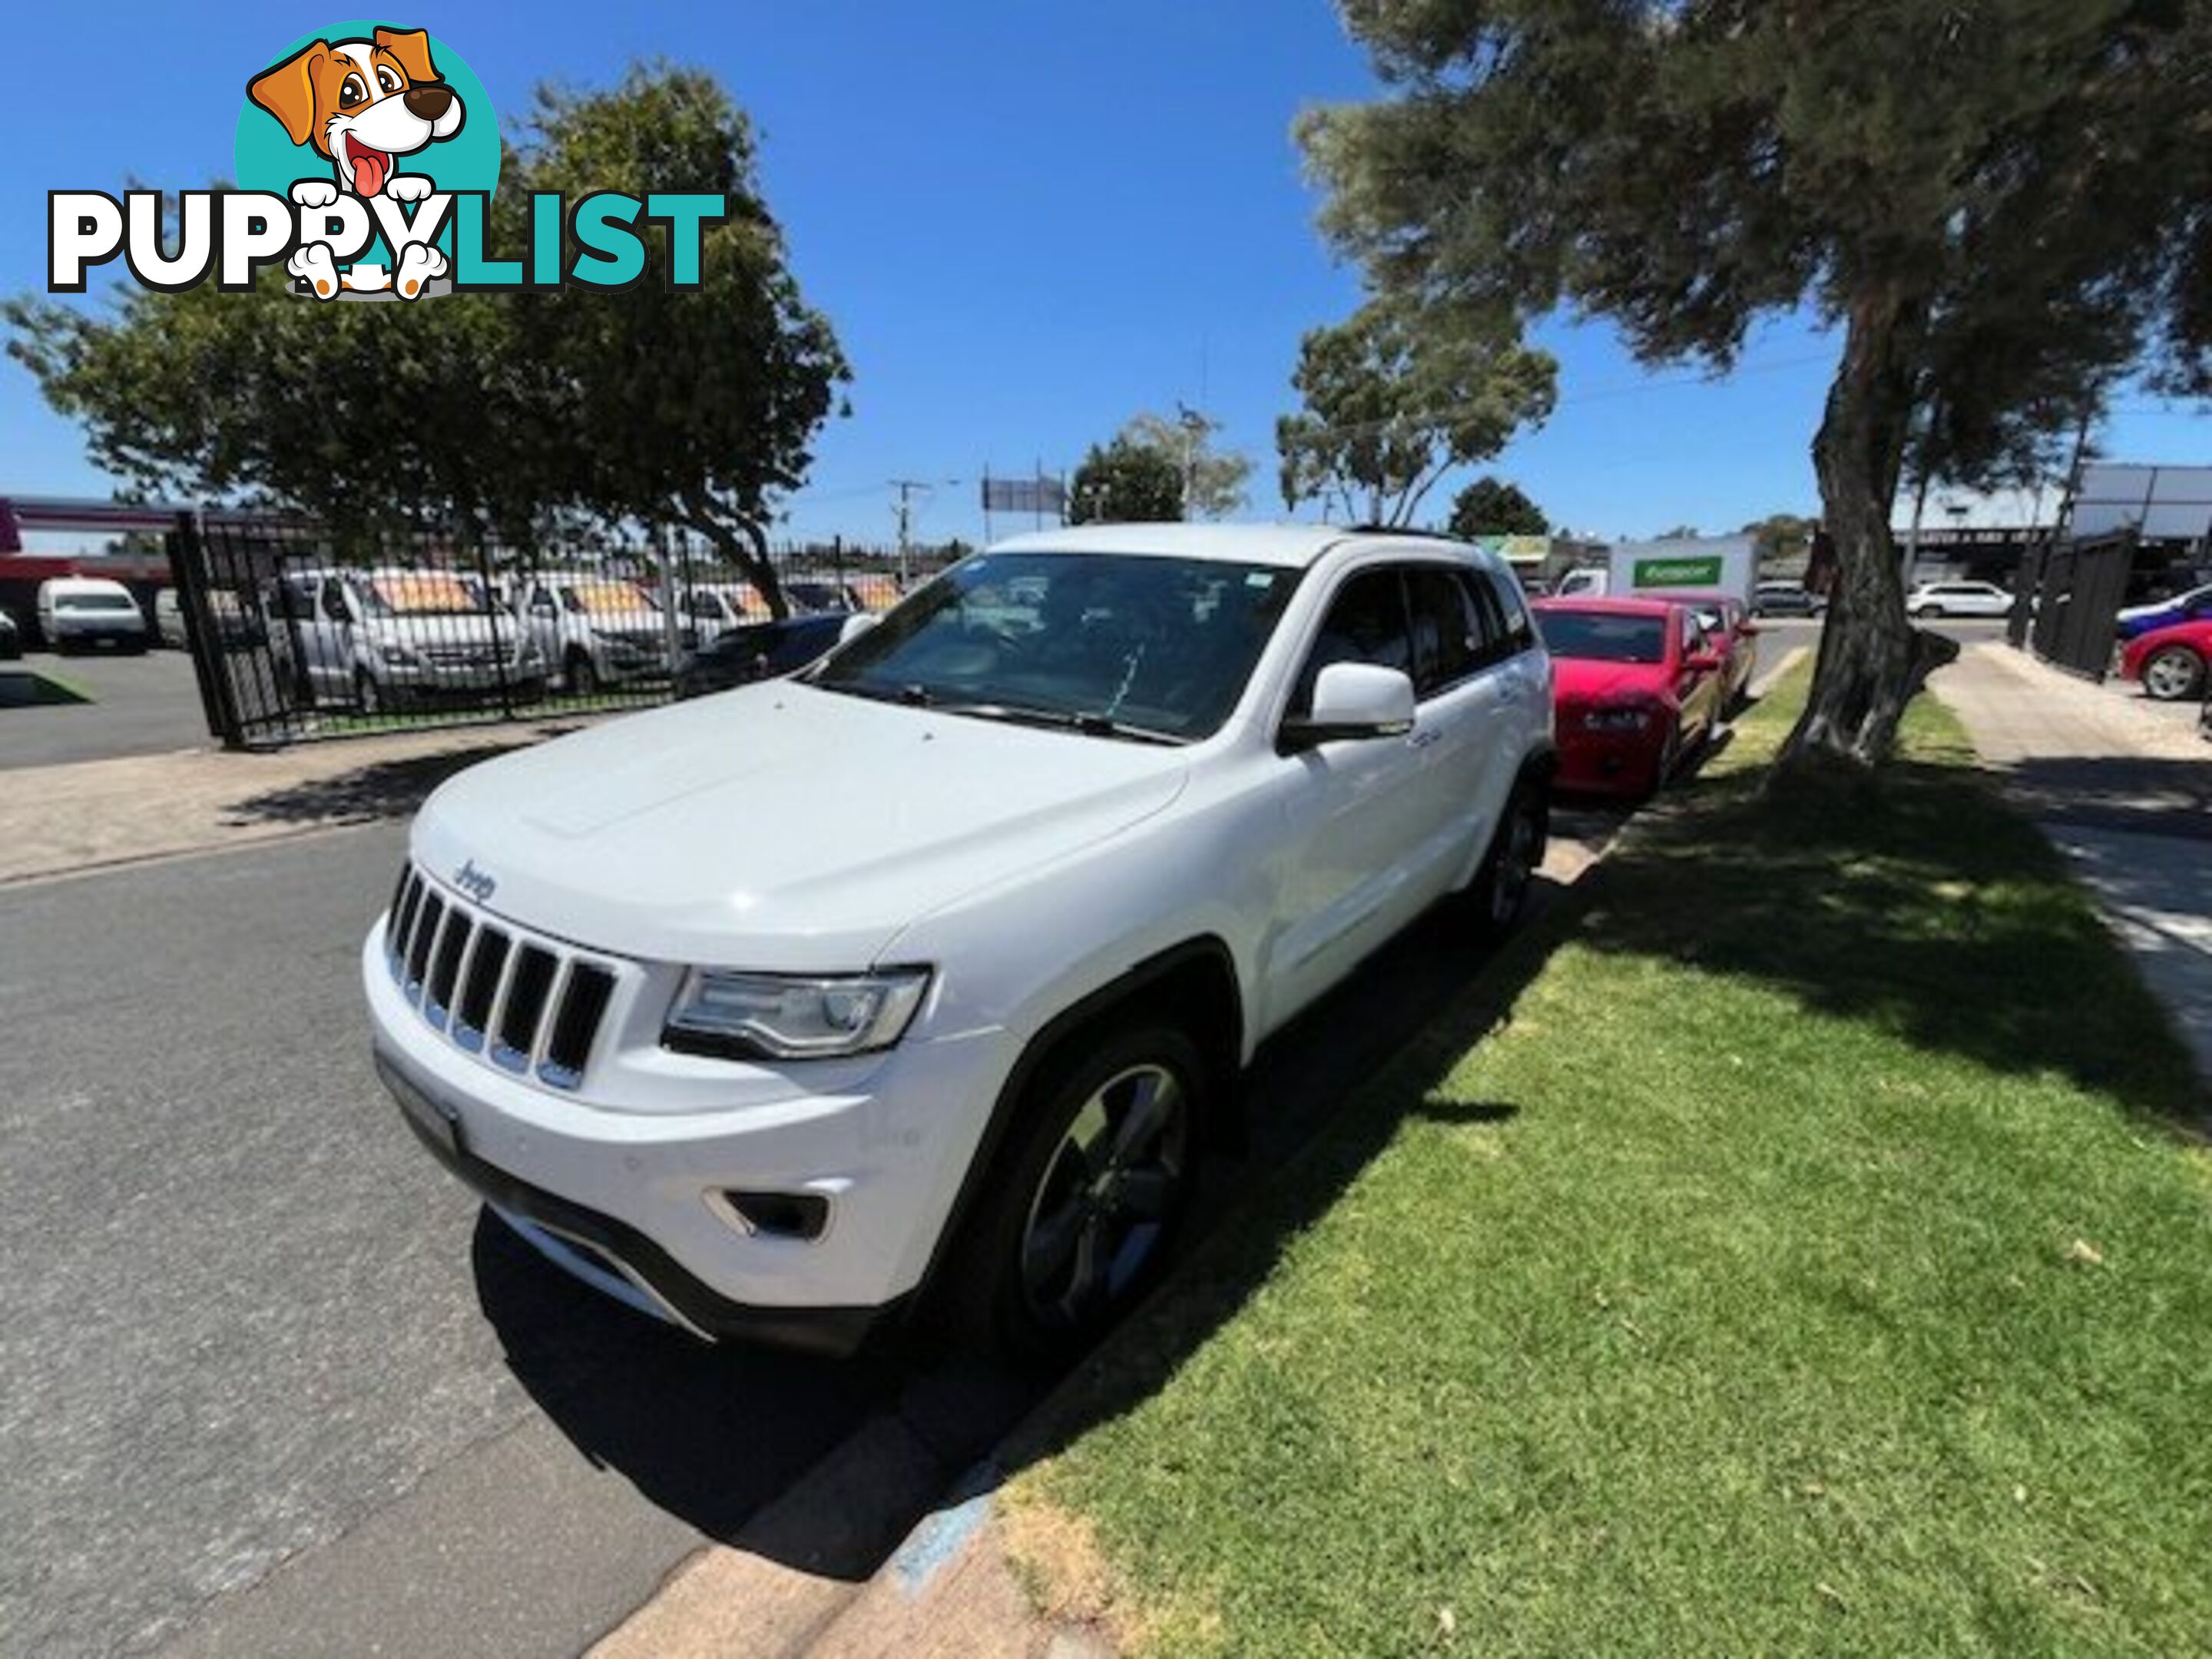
(272, 1383)
(146, 705)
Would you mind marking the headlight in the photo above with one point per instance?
(791, 1017)
(1617, 719)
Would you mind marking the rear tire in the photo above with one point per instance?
(1500, 890)
(583, 678)
(1082, 1207)
(2173, 673)
(369, 697)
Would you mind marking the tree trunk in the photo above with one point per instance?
(1872, 660)
(746, 545)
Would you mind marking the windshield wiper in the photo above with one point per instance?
(1090, 725)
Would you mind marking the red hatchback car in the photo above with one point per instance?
(2171, 662)
(1635, 686)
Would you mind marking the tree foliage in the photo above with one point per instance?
(1999, 204)
(1125, 482)
(1781, 536)
(1394, 399)
(1492, 507)
(496, 414)
(1215, 479)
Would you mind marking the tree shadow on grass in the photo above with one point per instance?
(1925, 907)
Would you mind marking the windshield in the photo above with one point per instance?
(94, 602)
(1595, 636)
(1156, 646)
(425, 593)
(609, 598)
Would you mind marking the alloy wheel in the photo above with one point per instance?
(1100, 1213)
(2170, 676)
(1516, 867)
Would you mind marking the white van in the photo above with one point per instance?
(371, 639)
(89, 613)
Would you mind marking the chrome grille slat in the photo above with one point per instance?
(527, 1006)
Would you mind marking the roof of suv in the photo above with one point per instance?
(1296, 545)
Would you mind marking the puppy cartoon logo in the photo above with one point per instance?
(362, 103)
(366, 156)
(370, 104)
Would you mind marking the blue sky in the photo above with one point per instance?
(1027, 221)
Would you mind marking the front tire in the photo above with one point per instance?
(368, 698)
(1928, 613)
(1082, 1211)
(583, 678)
(2173, 673)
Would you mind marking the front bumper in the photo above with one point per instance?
(886, 1141)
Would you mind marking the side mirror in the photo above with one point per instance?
(1701, 662)
(1352, 700)
(855, 625)
(1747, 626)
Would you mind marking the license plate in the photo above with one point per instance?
(432, 1120)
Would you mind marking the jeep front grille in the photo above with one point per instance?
(529, 1006)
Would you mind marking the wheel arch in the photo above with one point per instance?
(1193, 985)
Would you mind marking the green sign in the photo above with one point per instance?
(1676, 573)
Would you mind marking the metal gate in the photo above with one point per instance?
(2076, 589)
(292, 640)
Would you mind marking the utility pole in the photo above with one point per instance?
(1194, 426)
(904, 512)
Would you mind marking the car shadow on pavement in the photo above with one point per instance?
(709, 1434)
(716, 1435)
(366, 794)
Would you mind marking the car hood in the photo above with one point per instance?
(778, 826)
(1575, 680)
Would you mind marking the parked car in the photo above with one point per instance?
(759, 651)
(1730, 632)
(379, 638)
(925, 978)
(1781, 598)
(238, 624)
(1939, 600)
(707, 612)
(2170, 661)
(11, 638)
(89, 613)
(1589, 582)
(2195, 605)
(595, 629)
(1637, 687)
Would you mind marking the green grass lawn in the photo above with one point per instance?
(1806, 1261)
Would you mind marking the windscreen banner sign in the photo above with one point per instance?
(366, 156)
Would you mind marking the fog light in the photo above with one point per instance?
(782, 1215)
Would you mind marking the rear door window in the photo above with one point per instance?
(1447, 636)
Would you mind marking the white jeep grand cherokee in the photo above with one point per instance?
(934, 968)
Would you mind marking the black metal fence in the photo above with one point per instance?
(291, 641)
(2070, 597)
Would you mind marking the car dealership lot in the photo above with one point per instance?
(268, 1360)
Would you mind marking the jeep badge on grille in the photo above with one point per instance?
(473, 882)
